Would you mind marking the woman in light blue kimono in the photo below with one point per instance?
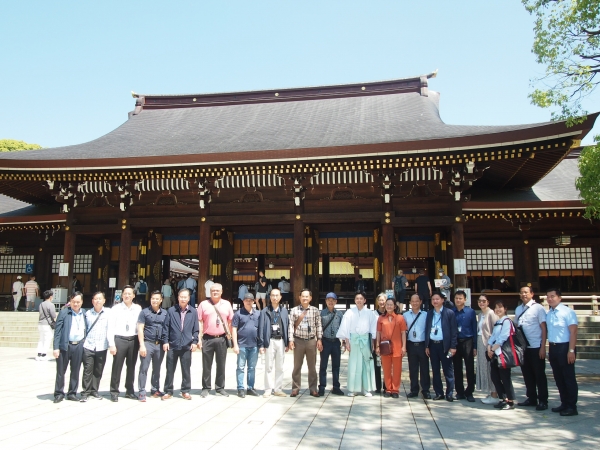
(358, 330)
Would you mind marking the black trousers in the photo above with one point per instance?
(401, 296)
(464, 351)
(185, 356)
(418, 362)
(330, 348)
(564, 374)
(73, 356)
(439, 359)
(127, 351)
(93, 366)
(378, 384)
(211, 349)
(154, 355)
(534, 375)
(502, 381)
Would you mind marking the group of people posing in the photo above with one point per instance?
(445, 337)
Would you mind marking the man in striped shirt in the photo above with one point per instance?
(32, 291)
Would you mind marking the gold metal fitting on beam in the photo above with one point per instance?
(123, 227)
(124, 221)
(387, 214)
(387, 220)
(203, 219)
(298, 217)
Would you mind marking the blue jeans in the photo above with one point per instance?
(247, 355)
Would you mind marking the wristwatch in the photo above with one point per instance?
(571, 350)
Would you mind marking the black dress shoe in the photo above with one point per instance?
(96, 396)
(558, 409)
(412, 395)
(114, 397)
(72, 397)
(386, 394)
(83, 399)
(59, 398)
(449, 398)
(337, 391)
(501, 404)
(541, 406)
(204, 393)
(241, 393)
(439, 397)
(426, 395)
(132, 396)
(395, 395)
(321, 392)
(569, 412)
(223, 392)
(470, 399)
(527, 403)
(252, 393)
(460, 397)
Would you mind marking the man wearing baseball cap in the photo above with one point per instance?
(18, 291)
(331, 320)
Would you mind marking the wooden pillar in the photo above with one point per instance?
(387, 236)
(204, 251)
(458, 252)
(124, 256)
(596, 263)
(69, 257)
(326, 272)
(527, 261)
(103, 263)
(154, 271)
(299, 260)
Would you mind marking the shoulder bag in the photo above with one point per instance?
(512, 351)
(385, 347)
(228, 339)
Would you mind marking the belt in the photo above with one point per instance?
(75, 342)
(436, 342)
(126, 338)
(210, 336)
(417, 343)
(558, 343)
(154, 342)
(276, 337)
(465, 339)
(304, 339)
(331, 339)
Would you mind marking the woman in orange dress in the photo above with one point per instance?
(391, 327)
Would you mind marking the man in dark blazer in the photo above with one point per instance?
(441, 335)
(69, 335)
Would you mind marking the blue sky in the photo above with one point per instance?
(69, 66)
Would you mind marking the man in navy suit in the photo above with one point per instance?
(441, 334)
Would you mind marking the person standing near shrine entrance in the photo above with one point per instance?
(359, 330)
(399, 286)
(18, 291)
(331, 319)
(32, 291)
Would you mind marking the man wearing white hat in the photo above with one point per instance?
(18, 291)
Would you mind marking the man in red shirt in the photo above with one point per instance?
(215, 317)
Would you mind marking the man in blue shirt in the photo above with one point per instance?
(562, 336)
(440, 340)
(330, 320)
(69, 334)
(418, 360)
(466, 350)
(150, 324)
(244, 328)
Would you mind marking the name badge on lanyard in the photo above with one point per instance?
(275, 327)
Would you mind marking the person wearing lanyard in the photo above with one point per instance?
(466, 349)
(501, 377)
(331, 320)
(441, 335)
(531, 317)
(123, 343)
(150, 324)
(273, 340)
(95, 347)
(562, 336)
(305, 333)
(69, 334)
(418, 361)
(244, 330)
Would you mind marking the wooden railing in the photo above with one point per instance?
(590, 301)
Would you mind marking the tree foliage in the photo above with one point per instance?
(567, 43)
(10, 145)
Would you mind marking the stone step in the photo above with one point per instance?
(588, 355)
(11, 338)
(23, 333)
(589, 343)
(18, 344)
(581, 336)
(11, 328)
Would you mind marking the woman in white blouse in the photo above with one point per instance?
(501, 377)
(485, 326)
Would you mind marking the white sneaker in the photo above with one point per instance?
(368, 394)
(38, 358)
(267, 394)
(351, 394)
(279, 394)
(489, 400)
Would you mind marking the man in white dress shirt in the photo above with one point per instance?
(358, 330)
(123, 343)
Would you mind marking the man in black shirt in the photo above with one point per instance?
(261, 291)
(423, 288)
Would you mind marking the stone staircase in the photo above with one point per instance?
(588, 337)
(19, 329)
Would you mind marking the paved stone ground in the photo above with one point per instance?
(29, 419)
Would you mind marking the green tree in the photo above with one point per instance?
(567, 43)
(10, 145)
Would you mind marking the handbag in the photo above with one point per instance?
(512, 352)
(51, 323)
(228, 339)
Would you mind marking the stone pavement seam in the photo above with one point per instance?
(413, 417)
